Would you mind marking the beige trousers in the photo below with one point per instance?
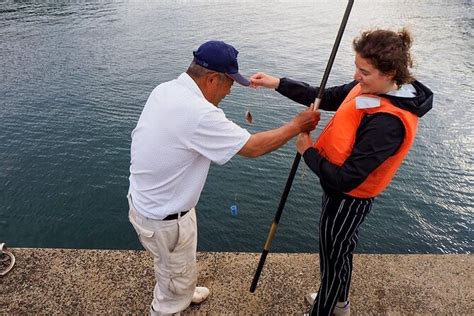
(173, 247)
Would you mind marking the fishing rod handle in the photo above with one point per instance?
(275, 222)
(261, 263)
(317, 103)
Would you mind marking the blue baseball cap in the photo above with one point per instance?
(221, 57)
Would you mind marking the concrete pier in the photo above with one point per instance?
(71, 281)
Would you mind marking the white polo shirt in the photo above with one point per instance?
(177, 136)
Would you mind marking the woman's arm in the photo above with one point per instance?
(303, 93)
(378, 137)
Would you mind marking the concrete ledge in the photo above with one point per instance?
(69, 281)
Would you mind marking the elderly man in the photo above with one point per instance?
(180, 131)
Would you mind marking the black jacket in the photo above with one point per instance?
(378, 137)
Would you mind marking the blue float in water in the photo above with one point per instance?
(233, 210)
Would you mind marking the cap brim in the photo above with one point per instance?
(240, 79)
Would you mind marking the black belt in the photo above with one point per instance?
(174, 216)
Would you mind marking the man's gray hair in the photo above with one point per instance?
(198, 71)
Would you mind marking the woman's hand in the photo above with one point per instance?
(303, 142)
(261, 79)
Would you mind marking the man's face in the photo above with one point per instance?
(222, 88)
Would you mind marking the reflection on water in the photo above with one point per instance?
(75, 77)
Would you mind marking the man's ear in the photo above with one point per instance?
(213, 77)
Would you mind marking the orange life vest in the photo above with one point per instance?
(337, 140)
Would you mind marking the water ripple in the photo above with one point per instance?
(76, 76)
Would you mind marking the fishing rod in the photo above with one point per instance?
(294, 167)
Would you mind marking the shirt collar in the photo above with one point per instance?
(405, 91)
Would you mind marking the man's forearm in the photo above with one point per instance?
(268, 141)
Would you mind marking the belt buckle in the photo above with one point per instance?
(175, 216)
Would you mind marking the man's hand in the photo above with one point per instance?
(303, 142)
(267, 141)
(307, 120)
(261, 79)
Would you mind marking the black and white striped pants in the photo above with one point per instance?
(341, 217)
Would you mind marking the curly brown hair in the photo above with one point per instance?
(387, 51)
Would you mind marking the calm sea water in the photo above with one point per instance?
(75, 76)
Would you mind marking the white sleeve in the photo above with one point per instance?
(217, 138)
